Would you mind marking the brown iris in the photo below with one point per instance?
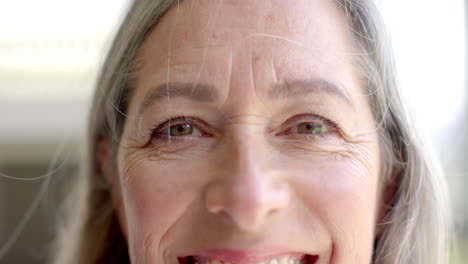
(181, 130)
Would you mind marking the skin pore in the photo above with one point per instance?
(248, 136)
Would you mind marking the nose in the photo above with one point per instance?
(247, 190)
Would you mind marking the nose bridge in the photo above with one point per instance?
(246, 145)
(247, 190)
(246, 165)
(245, 156)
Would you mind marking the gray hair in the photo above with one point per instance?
(416, 228)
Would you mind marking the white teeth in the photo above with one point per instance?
(283, 260)
(278, 260)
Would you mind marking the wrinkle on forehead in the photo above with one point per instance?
(201, 26)
(203, 21)
(212, 43)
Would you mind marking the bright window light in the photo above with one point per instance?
(429, 43)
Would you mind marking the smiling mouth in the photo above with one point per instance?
(306, 259)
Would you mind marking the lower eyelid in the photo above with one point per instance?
(166, 137)
(161, 139)
(324, 134)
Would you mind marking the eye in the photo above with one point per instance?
(309, 125)
(311, 128)
(182, 130)
(178, 127)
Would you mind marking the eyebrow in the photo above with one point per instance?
(197, 92)
(207, 93)
(285, 89)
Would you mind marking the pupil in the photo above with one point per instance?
(311, 128)
(180, 130)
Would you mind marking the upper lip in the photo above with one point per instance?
(244, 255)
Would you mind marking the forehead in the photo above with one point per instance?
(247, 44)
(192, 20)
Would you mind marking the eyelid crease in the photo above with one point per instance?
(327, 121)
(202, 126)
(295, 118)
(180, 119)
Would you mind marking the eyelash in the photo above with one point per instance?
(306, 117)
(180, 119)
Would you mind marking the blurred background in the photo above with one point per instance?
(50, 53)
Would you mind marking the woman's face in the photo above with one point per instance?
(249, 138)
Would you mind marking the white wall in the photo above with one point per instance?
(50, 53)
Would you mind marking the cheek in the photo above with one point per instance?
(342, 193)
(338, 186)
(155, 197)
